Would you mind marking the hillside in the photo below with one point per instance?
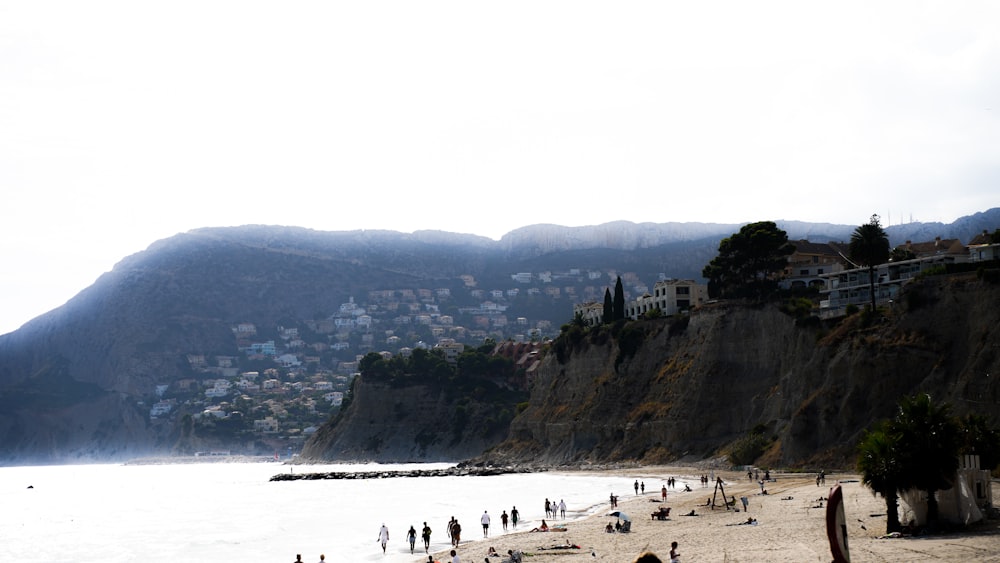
(131, 364)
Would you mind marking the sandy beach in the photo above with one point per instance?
(790, 527)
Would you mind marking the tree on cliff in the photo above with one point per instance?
(609, 308)
(879, 465)
(749, 261)
(869, 246)
(619, 300)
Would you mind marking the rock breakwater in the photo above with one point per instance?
(457, 471)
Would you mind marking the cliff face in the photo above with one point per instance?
(691, 390)
(408, 424)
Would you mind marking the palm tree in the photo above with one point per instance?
(928, 442)
(869, 247)
(879, 465)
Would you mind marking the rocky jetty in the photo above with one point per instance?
(457, 471)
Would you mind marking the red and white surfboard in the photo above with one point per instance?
(836, 526)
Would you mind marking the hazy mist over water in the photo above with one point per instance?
(232, 512)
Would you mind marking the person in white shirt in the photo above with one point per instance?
(383, 536)
(486, 523)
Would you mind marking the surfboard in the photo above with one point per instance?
(836, 526)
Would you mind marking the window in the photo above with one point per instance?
(684, 290)
(803, 272)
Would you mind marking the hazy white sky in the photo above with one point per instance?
(122, 123)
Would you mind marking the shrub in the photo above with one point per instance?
(747, 449)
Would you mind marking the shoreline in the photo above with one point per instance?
(790, 526)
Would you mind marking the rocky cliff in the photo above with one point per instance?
(417, 423)
(694, 387)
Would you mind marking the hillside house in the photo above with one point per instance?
(267, 425)
(810, 261)
(853, 287)
(982, 249)
(591, 312)
(451, 349)
(670, 297)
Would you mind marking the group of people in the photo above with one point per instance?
(298, 558)
(551, 509)
(454, 529)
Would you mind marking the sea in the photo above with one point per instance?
(202, 512)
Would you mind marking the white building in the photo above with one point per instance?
(853, 287)
(450, 348)
(670, 297)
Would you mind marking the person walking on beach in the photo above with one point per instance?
(411, 536)
(562, 509)
(636, 486)
(503, 520)
(643, 487)
(383, 536)
(426, 535)
(663, 493)
(548, 508)
(451, 524)
(456, 533)
(675, 556)
(485, 520)
(513, 516)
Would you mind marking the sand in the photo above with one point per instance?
(791, 527)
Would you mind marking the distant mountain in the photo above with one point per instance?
(79, 382)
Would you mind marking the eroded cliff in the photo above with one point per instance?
(692, 387)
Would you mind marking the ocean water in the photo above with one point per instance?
(232, 512)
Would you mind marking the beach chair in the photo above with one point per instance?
(661, 514)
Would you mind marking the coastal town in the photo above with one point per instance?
(278, 384)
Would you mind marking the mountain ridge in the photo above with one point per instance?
(132, 331)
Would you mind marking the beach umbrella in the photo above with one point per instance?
(620, 514)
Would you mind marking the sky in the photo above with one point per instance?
(123, 123)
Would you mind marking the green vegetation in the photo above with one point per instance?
(869, 246)
(747, 449)
(918, 449)
(749, 262)
(881, 469)
(797, 307)
(618, 303)
(900, 254)
(609, 307)
(630, 339)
